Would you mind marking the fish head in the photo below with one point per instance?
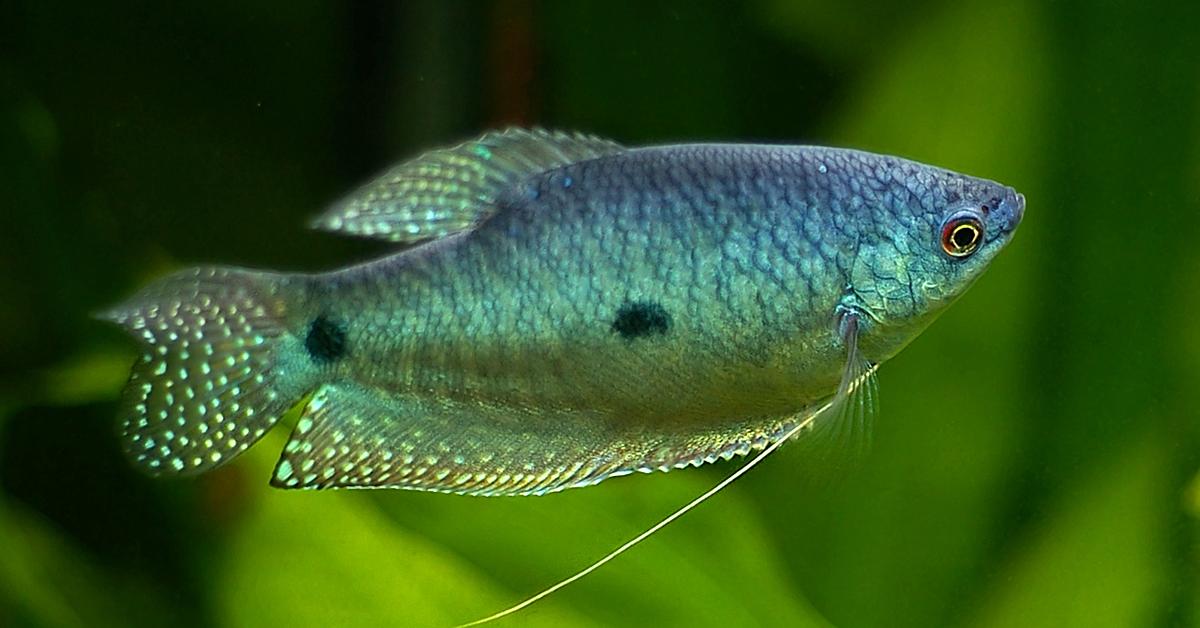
(933, 235)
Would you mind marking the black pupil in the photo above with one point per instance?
(964, 236)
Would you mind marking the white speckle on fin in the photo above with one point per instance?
(283, 471)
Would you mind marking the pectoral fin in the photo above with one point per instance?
(842, 433)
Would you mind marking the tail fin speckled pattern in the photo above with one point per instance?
(210, 381)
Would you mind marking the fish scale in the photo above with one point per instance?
(568, 310)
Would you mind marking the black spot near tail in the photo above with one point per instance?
(636, 319)
(326, 340)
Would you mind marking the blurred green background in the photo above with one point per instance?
(1036, 454)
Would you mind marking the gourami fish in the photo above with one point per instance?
(568, 310)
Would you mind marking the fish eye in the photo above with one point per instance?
(961, 235)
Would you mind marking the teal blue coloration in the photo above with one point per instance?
(578, 310)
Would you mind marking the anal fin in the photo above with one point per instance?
(353, 436)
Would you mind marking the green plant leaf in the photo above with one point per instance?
(307, 558)
(46, 580)
(713, 567)
(1095, 562)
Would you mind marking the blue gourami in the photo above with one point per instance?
(567, 310)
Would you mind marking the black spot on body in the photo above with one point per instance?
(636, 319)
(326, 340)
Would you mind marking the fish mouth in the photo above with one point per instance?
(1010, 212)
(1019, 210)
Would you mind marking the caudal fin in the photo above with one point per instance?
(209, 382)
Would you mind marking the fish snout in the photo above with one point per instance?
(1012, 208)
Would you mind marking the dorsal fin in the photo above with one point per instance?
(448, 190)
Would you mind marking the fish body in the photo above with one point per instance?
(573, 310)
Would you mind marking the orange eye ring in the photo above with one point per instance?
(961, 235)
